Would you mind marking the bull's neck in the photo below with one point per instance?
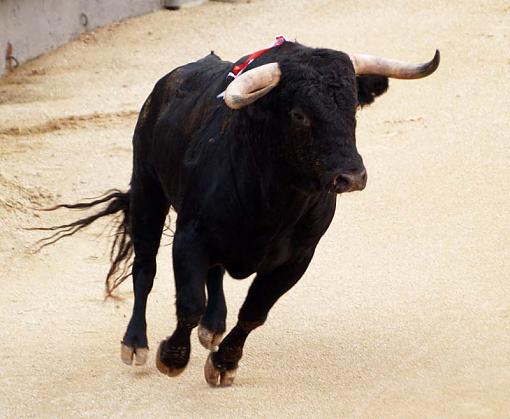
(258, 168)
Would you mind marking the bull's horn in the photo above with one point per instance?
(371, 64)
(252, 85)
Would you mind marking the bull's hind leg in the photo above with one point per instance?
(190, 271)
(265, 290)
(212, 325)
(148, 212)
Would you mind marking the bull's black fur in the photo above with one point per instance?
(369, 87)
(253, 188)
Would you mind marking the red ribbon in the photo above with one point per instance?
(238, 69)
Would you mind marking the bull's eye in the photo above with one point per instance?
(299, 118)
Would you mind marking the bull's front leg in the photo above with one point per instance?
(190, 262)
(212, 325)
(221, 366)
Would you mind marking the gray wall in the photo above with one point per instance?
(35, 26)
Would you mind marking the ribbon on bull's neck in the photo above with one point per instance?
(239, 68)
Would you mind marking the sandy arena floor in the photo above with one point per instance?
(405, 310)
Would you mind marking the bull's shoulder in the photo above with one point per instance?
(181, 88)
(186, 81)
(192, 78)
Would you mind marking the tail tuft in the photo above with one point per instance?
(121, 252)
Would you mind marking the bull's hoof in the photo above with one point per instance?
(127, 353)
(209, 340)
(171, 360)
(217, 376)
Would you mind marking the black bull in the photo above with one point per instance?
(254, 189)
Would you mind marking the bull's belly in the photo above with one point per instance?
(243, 262)
(238, 271)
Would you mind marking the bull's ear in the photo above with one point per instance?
(369, 87)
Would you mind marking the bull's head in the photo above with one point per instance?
(316, 108)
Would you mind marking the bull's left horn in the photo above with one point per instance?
(252, 85)
(373, 65)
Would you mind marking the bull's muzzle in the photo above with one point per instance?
(353, 180)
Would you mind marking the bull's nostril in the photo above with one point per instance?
(341, 182)
(347, 182)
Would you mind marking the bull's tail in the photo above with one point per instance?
(116, 203)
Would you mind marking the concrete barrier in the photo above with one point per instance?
(30, 27)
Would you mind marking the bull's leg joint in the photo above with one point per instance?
(248, 325)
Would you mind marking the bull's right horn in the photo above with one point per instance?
(252, 85)
(374, 65)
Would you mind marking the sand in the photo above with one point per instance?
(405, 310)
